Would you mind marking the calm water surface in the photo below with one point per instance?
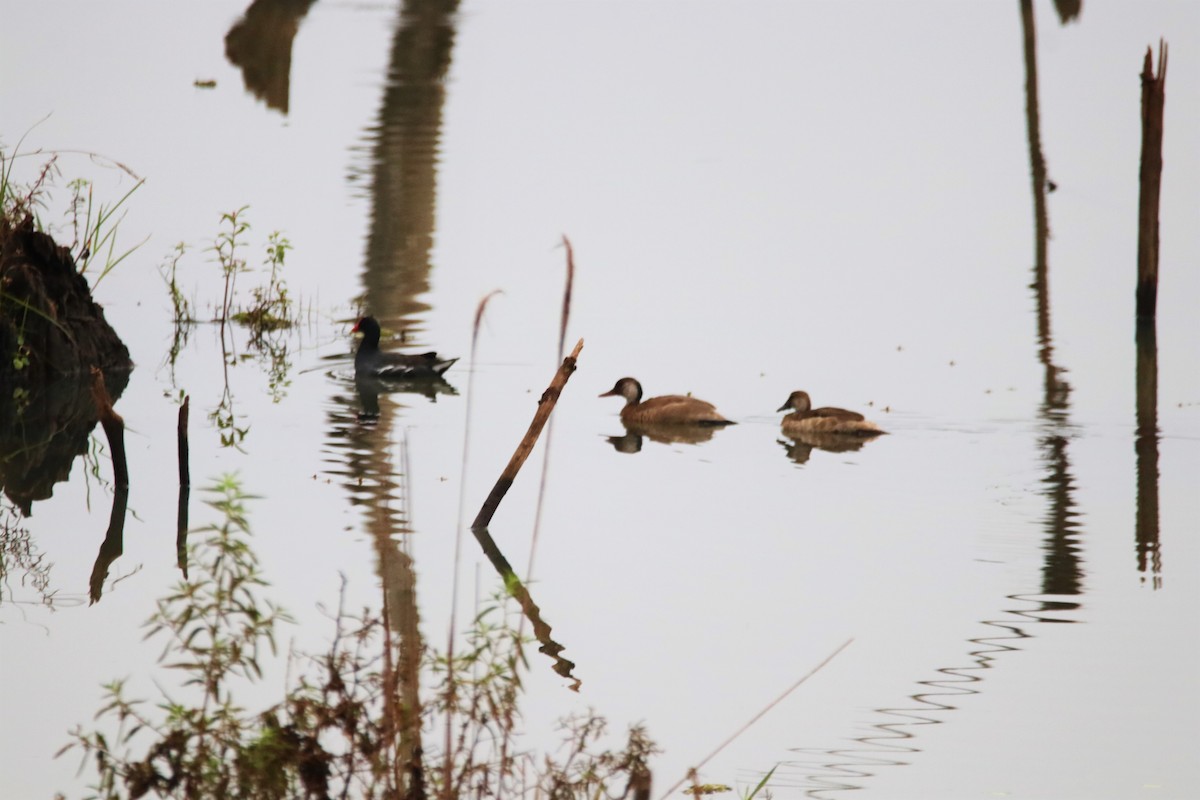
(762, 197)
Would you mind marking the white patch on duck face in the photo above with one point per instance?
(631, 390)
(628, 388)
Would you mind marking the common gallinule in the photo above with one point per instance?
(370, 360)
(806, 419)
(671, 409)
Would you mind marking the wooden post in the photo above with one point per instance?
(181, 433)
(1153, 99)
(185, 483)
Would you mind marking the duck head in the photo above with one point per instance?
(628, 388)
(797, 401)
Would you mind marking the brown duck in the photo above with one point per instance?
(805, 419)
(670, 409)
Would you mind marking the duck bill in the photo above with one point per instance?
(784, 407)
(609, 393)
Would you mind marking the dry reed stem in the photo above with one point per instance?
(562, 344)
(692, 771)
(452, 632)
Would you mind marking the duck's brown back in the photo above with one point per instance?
(834, 413)
(813, 422)
(673, 409)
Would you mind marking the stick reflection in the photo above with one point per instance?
(1149, 556)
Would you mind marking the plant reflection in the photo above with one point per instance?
(891, 742)
(350, 721)
(18, 555)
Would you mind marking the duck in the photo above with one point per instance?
(805, 419)
(371, 361)
(670, 409)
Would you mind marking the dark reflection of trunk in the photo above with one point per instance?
(113, 544)
(1061, 574)
(396, 274)
(1147, 452)
(374, 481)
(260, 44)
(892, 742)
(1068, 9)
(405, 141)
(513, 585)
(43, 431)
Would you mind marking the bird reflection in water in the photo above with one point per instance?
(799, 447)
(369, 388)
(631, 441)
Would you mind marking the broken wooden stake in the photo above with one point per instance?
(1150, 177)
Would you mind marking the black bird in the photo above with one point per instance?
(370, 360)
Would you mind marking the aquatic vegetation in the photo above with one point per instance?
(45, 308)
(271, 308)
(93, 222)
(352, 722)
(99, 228)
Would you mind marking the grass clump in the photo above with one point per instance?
(93, 223)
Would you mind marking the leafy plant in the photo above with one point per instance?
(93, 222)
(181, 308)
(352, 725)
(226, 247)
(271, 309)
(216, 627)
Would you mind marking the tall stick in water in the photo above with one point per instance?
(181, 434)
(185, 483)
(545, 405)
(1153, 100)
